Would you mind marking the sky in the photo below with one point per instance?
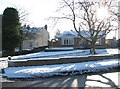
(39, 12)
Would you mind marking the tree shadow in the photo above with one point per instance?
(69, 81)
(110, 81)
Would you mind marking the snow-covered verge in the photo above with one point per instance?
(62, 69)
(43, 54)
(61, 48)
(3, 64)
(74, 53)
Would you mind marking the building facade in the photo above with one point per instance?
(40, 40)
(71, 39)
(111, 43)
(68, 39)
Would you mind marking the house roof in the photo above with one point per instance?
(87, 33)
(32, 30)
(67, 34)
(75, 34)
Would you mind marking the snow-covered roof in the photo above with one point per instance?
(67, 34)
(33, 30)
(87, 33)
(75, 34)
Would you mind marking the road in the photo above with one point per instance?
(110, 80)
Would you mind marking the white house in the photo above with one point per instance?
(40, 39)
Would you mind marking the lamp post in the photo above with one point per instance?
(118, 26)
(118, 20)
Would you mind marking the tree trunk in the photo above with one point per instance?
(92, 49)
(20, 46)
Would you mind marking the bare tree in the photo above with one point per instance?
(57, 33)
(84, 15)
(28, 33)
(23, 15)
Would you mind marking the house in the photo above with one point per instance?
(40, 38)
(68, 39)
(71, 39)
(100, 43)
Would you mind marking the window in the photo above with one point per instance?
(37, 44)
(71, 41)
(68, 41)
(31, 44)
(89, 43)
(65, 41)
(98, 42)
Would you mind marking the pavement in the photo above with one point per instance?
(109, 80)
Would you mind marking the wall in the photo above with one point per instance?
(26, 44)
(111, 43)
(87, 45)
(58, 43)
(77, 42)
(40, 41)
(44, 37)
(60, 61)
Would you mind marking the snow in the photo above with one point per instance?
(33, 30)
(17, 60)
(3, 64)
(84, 33)
(17, 50)
(61, 69)
(63, 54)
(61, 48)
(33, 59)
(67, 34)
(103, 80)
(45, 54)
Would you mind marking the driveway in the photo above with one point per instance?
(110, 80)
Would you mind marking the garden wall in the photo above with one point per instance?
(16, 63)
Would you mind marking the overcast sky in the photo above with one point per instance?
(39, 11)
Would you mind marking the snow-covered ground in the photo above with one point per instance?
(62, 69)
(50, 70)
(106, 80)
(44, 54)
(59, 54)
(61, 48)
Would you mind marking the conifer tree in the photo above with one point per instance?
(10, 30)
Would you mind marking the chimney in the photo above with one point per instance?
(45, 27)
